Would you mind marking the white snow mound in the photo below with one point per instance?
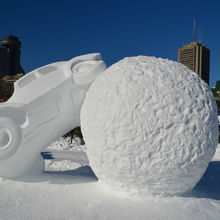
(150, 126)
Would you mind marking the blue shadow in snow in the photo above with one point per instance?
(81, 171)
(209, 184)
(83, 174)
(47, 155)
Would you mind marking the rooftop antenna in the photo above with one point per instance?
(194, 31)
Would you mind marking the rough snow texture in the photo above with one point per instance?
(150, 126)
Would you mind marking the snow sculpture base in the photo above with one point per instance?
(45, 105)
(150, 126)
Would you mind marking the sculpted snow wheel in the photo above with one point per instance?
(10, 137)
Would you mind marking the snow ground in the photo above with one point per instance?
(69, 190)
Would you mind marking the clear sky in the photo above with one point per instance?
(55, 30)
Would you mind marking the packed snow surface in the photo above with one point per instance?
(150, 126)
(69, 190)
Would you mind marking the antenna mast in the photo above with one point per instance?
(194, 31)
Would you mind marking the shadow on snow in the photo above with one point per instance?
(209, 184)
(83, 174)
(47, 155)
(207, 187)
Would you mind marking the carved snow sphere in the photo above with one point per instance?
(150, 126)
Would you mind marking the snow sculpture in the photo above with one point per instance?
(150, 126)
(45, 105)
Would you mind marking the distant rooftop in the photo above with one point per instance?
(10, 41)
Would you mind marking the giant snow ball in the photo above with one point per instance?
(150, 126)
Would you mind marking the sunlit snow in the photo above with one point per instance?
(150, 125)
(69, 190)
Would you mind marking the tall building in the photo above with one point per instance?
(10, 56)
(196, 57)
(10, 68)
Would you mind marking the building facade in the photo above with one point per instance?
(7, 86)
(10, 68)
(196, 57)
(10, 56)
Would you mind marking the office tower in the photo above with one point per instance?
(196, 57)
(10, 56)
(10, 68)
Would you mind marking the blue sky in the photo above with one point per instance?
(53, 31)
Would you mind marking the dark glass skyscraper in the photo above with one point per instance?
(10, 56)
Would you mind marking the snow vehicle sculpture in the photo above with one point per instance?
(45, 105)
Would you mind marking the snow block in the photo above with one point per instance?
(46, 104)
(150, 126)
